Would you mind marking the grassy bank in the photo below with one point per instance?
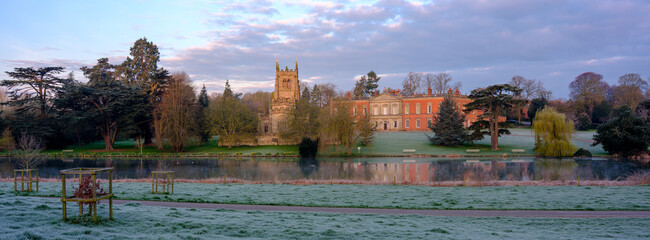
(386, 144)
(39, 218)
(385, 196)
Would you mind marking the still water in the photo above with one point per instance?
(414, 170)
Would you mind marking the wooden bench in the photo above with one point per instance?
(472, 150)
(67, 150)
(518, 150)
(408, 150)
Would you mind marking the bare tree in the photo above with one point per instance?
(411, 84)
(530, 88)
(441, 83)
(178, 108)
(29, 151)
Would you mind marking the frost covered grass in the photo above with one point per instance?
(40, 218)
(392, 143)
(384, 196)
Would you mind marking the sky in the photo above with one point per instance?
(477, 42)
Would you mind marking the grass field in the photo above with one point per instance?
(385, 196)
(386, 143)
(40, 218)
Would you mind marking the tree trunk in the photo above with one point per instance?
(494, 132)
(349, 148)
(107, 142)
(158, 132)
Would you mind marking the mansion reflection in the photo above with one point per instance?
(401, 170)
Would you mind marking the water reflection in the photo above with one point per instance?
(387, 170)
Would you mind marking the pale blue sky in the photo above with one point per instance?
(477, 42)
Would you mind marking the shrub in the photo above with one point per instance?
(582, 153)
(626, 134)
(308, 148)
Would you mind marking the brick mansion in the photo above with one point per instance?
(390, 111)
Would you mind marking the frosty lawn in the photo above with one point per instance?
(39, 218)
(385, 196)
(392, 143)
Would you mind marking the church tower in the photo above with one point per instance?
(285, 96)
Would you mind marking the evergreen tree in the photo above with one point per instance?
(625, 135)
(493, 101)
(204, 101)
(366, 130)
(536, 105)
(553, 134)
(447, 125)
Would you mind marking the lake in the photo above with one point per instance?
(412, 170)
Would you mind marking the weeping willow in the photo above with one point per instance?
(553, 134)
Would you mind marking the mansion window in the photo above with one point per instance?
(428, 122)
(395, 125)
(417, 123)
(417, 108)
(407, 123)
(406, 108)
(354, 111)
(429, 109)
(385, 110)
(375, 110)
(395, 109)
(365, 111)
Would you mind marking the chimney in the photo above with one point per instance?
(449, 91)
(457, 91)
(347, 95)
(429, 92)
(376, 92)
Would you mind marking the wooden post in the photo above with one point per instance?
(153, 181)
(15, 184)
(29, 177)
(37, 180)
(110, 191)
(94, 204)
(172, 183)
(63, 195)
(22, 181)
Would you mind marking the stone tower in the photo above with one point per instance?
(287, 92)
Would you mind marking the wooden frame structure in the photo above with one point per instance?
(167, 181)
(95, 198)
(25, 179)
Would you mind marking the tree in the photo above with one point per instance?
(584, 122)
(178, 107)
(33, 89)
(587, 90)
(447, 125)
(141, 68)
(440, 83)
(411, 84)
(204, 102)
(360, 88)
(553, 134)
(301, 121)
(530, 89)
(536, 105)
(493, 101)
(321, 94)
(602, 112)
(643, 111)
(625, 135)
(29, 151)
(366, 130)
(629, 91)
(259, 102)
(338, 125)
(103, 102)
(231, 119)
